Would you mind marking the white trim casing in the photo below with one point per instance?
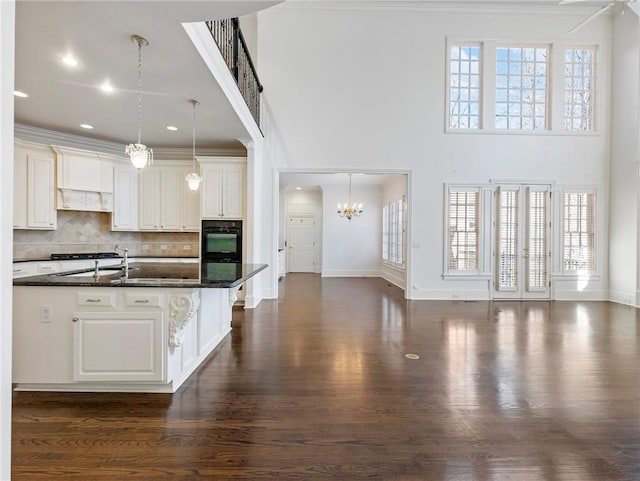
(7, 68)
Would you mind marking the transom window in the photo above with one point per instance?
(522, 96)
(464, 87)
(578, 88)
(521, 88)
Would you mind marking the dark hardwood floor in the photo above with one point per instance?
(316, 386)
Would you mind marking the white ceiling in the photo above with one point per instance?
(98, 33)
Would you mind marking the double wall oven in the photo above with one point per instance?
(221, 241)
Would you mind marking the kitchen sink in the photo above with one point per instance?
(154, 280)
(103, 271)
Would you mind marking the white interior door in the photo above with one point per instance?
(522, 252)
(301, 237)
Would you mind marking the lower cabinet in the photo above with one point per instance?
(119, 346)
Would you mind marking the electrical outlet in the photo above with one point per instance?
(186, 247)
(164, 247)
(145, 247)
(46, 314)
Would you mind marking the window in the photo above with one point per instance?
(464, 87)
(578, 88)
(521, 88)
(463, 229)
(392, 232)
(579, 232)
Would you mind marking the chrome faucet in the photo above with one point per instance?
(96, 270)
(125, 263)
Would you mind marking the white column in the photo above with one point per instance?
(7, 44)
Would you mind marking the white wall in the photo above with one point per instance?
(623, 241)
(7, 43)
(351, 248)
(363, 88)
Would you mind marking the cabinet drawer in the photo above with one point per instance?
(100, 299)
(23, 270)
(48, 267)
(142, 300)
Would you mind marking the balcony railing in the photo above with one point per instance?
(228, 36)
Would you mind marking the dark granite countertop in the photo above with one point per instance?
(152, 274)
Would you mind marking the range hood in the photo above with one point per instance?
(84, 180)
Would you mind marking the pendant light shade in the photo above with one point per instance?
(138, 153)
(193, 179)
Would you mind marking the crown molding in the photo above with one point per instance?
(51, 137)
(504, 7)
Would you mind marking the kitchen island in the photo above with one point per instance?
(145, 327)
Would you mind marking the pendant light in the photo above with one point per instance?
(138, 153)
(350, 210)
(193, 179)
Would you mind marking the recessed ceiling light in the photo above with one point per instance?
(69, 60)
(18, 93)
(106, 87)
(298, 188)
(86, 126)
(172, 128)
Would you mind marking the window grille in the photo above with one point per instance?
(507, 239)
(463, 230)
(393, 232)
(578, 88)
(537, 249)
(579, 231)
(521, 88)
(464, 87)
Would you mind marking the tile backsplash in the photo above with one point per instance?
(89, 232)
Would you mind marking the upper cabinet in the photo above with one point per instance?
(222, 187)
(125, 197)
(165, 202)
(85, 180)
(34, 186)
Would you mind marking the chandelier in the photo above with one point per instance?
(348, 209)
(193, 179)
(138, 153)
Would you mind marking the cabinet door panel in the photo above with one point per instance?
(233, 192)
(125, 199)
(148, 208)
(190, 207)
(170, 188)
(211, 193)
(118, 346)
(41, 212)
(20, 189)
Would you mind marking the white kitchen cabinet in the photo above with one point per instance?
(125, 198)
(222, 187)
(34, 187)
(190, 206)
(165, 201)
(171, 180)
(119, 346)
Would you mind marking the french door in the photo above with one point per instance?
(522, 251)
